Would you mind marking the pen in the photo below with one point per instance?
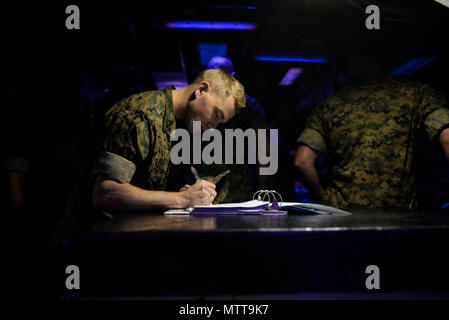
(197, 177)
(195, 173)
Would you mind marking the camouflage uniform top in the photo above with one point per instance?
(136, 141)
(235, 186)
(370, 130)
(135, 149)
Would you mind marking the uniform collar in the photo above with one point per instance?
(169, 109)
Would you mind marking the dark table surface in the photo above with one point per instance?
(358, 220)
(148, 254)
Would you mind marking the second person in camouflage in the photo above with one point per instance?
(370, 131)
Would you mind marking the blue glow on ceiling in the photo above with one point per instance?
(298, 58)
(236, 7)
(211, 25)
(411, 66)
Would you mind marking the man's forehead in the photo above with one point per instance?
(228, 107)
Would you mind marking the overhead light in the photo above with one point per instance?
(291, 58)
(443, 2)
(211, 25)
(290, 77)
(411, 66)
(236, 7)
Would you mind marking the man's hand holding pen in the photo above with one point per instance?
(202, 193)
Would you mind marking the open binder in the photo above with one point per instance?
(264, 202)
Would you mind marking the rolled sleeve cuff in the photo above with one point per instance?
(114, 167)
(17, 164)
(435, 121)
(312, 139)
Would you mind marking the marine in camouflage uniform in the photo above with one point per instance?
(135, 149)
(134, 161)
(370, 130)
(234, 182)
(136, 143)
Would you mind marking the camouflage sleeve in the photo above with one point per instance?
(432, 111)
(114, 167)
(126, 144)
(435, 121)
(312, 139)
(313, 134)
(17, 164)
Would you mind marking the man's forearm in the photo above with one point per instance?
(444, 140)
(15, 190)
(113, 196)
(305, 162)
(311, 180)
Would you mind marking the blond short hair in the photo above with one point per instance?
(224, 85)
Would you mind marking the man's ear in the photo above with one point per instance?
(203, 87)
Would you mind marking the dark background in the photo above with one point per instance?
(57, 83)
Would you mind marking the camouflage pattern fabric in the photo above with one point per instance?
(370, 130)
(138, 129)
(236, 186)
